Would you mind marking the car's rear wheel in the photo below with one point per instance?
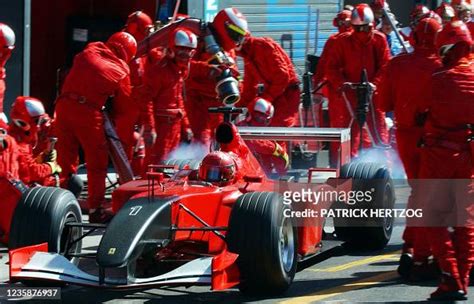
(41, 216)
(367, 233)
(266, 242)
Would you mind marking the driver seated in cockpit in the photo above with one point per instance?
(218, 168)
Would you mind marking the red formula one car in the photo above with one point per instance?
(177, 229)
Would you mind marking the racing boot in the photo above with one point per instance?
(424, 270)
(465, 283)
(464, 242)
(405, 264)
(100, 216)
(449, 289)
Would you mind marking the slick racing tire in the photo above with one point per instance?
(367, 233)
(40, 217)
(181, 163)
(266, 242)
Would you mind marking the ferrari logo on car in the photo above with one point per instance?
(112, 251)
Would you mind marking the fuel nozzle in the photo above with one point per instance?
(227, 86)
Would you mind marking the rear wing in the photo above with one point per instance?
(340, 135)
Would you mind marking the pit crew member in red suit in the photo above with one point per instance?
(129, 110)
(98, 72)
(8, 171)
(402, 88)
(447, 161)
(266, 64)
(26, 116)
(363, 48)
(164, 81)
(268, 152)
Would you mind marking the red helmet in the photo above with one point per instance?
(446, 12)
(217, 168)
(138, 25)
(378, 4)
(343, 20)
(7, 37)
(426, 32)
(454, 32)
(123, 45)
(454, 43)
(7, 43)
(362, 15)
(27, 113)
(419, 12)
(231, 27)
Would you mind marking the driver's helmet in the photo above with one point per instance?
(217, 168)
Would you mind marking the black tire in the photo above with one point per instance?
(40, 217)
(193, 163)
(75, 185)
(366, 233)
(257, 227)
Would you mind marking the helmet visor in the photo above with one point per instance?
(214, 174)
(362, 28)
(218, 174)
(21, 124)
(235, 33)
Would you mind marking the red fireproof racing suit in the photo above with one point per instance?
(30, 170)
(130, 109)
(448, 154)
(127, 105)
(96, 74)
(349, 56)
(320, 74)
(9, 195)
(268, 64)
(328, 90)
(402, 89)
(164, 81)
(9, 158)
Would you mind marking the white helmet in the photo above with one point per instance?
(264, 107)
(7, 36)
(184, 38)
(362, 15)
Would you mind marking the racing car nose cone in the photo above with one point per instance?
(138, 221)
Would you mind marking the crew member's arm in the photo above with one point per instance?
(30, 170)
(335, 66)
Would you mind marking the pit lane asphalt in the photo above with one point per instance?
(339, 275)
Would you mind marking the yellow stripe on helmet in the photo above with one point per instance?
(237, 29)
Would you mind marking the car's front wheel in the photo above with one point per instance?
(266, 242)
